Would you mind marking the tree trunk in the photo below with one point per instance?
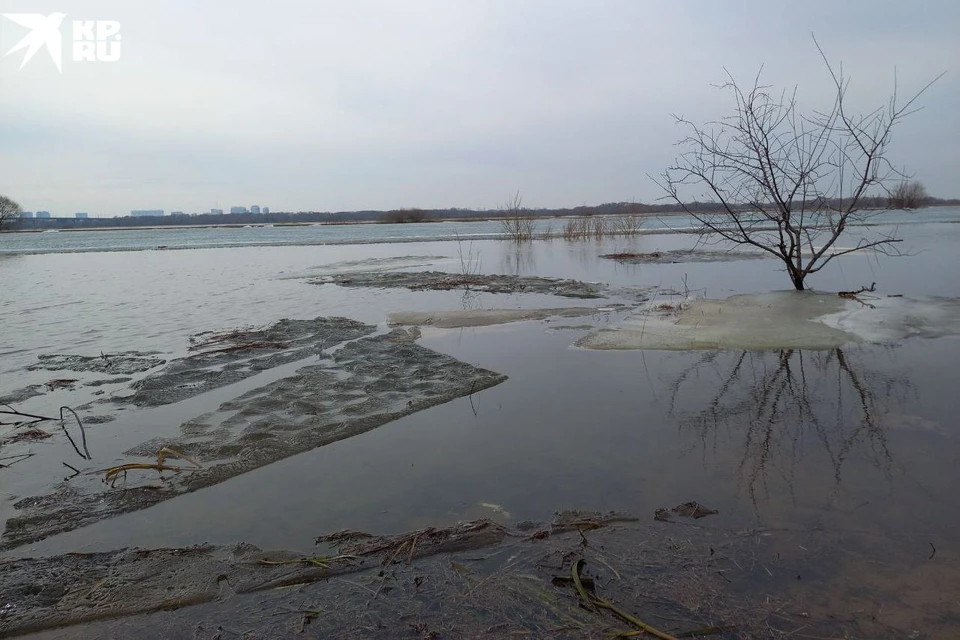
(796, 274)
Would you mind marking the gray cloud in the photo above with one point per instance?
(375, 103)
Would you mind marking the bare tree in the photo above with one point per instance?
(908, 195)
(785, 182)
(9, 211)
(516, 222)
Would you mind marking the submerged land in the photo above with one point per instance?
(795, 372)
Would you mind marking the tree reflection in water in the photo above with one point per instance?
(778, 404)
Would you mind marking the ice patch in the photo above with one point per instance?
(780, 320)
(884, 320)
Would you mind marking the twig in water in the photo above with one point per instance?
(114, 472)
(33, 419)
(850, 294)
(934, 551)
(597, 601)
(18, 458)
(476, 409)
(76, 471)
(70, 438)
(396, 553)
(164, 452)
(413, 546)
(83, 433)
(607, 565)
(358, 585)
(318, 561)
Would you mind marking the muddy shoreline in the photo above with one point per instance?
(216, 591)
(582, 575)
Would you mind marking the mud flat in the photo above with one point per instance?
(116, 364)
(441, 281)
(215, 360)
(365, 383)
(220, 359)
(459, 318)
(22, 395)
(364, 265)
(685, 255)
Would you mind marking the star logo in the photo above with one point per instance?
(44, 31)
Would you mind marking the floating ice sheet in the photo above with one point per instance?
(780, 320)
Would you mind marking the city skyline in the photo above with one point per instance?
(27, 213)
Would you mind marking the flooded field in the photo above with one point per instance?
(832, 465)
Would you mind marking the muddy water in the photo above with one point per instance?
(849, 455)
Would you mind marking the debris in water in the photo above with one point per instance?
(691, 509)
(496, 509)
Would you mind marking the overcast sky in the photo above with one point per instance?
(375, 104)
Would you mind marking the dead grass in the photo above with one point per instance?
(27, 435)
(60, 383)
(235, 340)
(586, 227)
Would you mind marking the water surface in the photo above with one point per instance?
(854, 450)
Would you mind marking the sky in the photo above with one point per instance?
(381, 104)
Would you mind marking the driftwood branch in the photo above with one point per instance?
(851, 294)
(18, 419)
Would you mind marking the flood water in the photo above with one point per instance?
(851, 450)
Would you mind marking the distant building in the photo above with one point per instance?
(176, 213)
(238, 210)
(81, 215)
(216, 212)
(255, 208)
(26, 214)
(265, 210)
(145, 213)
(43, 214)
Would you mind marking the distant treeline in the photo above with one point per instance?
(391, 216)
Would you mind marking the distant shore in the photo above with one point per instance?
(331, 223)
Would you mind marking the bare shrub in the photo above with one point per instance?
(625, 225)
(516, 222)
(471, 262)
(908, 195)
(581, 228)
(9, 212)
(598, 227)
(576, 229)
